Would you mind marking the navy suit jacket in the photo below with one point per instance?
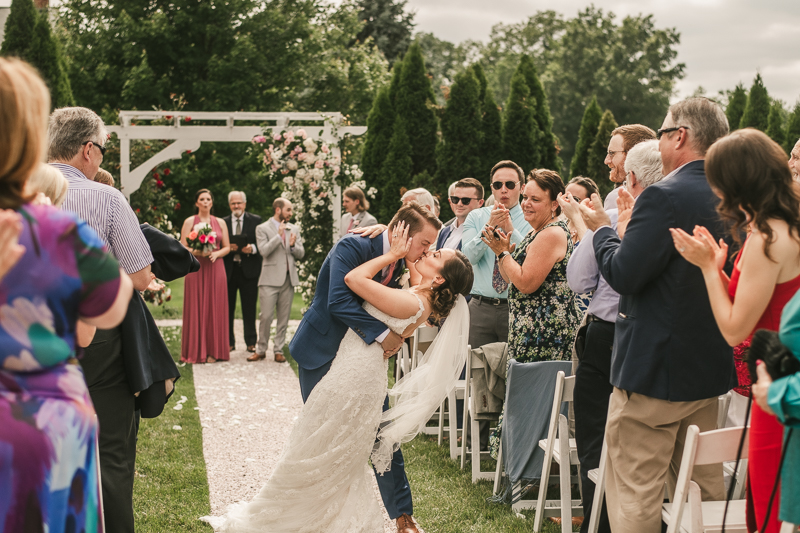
(443, 235)
(667, 344)
(336, 308)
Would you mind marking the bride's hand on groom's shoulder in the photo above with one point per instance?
(370, 231)
(401, 242)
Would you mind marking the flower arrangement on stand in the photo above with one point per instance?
(307, 170)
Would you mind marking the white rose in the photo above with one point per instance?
(277, 154)
(310, 145)
(301, 173)
(310, 159)
(291, 164)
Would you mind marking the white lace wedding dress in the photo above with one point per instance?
(323, 480)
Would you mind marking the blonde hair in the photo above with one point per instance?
(24, 109)
(48, 180)
(356, 194)
(104, 176)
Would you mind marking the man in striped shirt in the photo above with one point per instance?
(77, 145)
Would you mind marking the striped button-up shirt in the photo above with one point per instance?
(107, 212)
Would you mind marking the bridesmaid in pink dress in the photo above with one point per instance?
(205, 298)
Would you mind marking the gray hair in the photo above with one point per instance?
(70, 128)
(244, 196)
(644, 160)
(705, 119)
(420, 195)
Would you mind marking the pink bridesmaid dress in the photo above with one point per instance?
(205, 309)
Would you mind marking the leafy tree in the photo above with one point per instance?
(736, 104)
(443, 60)
(388, 24)
(589, 125)
(19, 29)
(520, 131)
(547, 141)
(793, 128)
(756, 112)
(397, 171)
(775, 128)
(414, 98)
(459, 152)
(380, 127)
(598, 170)
(45, 54)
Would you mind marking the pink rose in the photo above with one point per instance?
(274, 167)
(203, 239)
(260, 139)
(297, 149)
(323, 194)
(319, 164)
(211, 239)
(289, 135)
(302, 157)
(277, 137)
(302, 133)
(192, 235)
(325, 149)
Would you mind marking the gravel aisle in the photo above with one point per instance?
(247, 411)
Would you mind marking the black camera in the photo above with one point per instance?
(779, 360)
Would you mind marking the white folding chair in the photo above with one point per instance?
(402, 362)
(786, 527)
(598, 475)
(723, 404)
(562, 450)
(471, 427)
(707, 448)
(459, 392)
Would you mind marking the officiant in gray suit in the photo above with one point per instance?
(279, 244)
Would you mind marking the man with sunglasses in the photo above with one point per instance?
(466, 196)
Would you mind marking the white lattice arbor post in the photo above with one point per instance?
(189, 137)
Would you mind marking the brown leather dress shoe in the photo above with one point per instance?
(406, 524)
(257, 357)
(279, 358)
(251, 348)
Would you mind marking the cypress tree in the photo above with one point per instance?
(394, 86)
(458, 155)
(380, 126)
(793, 128)
(775, 129)
(19, 30)
(586, 135)
(756, 112)
(598, 170)
(736, 105)
(491, 138)
(397, 170)
(414, 98)
(520, 132)
(547, 142)
(477, 69)
(45, 54)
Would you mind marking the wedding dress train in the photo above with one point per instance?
(323, 481)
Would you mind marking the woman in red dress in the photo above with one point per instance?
(750, 173)
(205, 297)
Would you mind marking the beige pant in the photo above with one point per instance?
(645, 438)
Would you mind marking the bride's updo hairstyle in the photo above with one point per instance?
(458, 278)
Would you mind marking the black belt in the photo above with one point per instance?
(490, 301)
(592, 318)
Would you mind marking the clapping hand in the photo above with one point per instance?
(501, 217)
(594, 216)
(370, 231)
(700, 249)
(625, 203)
(292, 239)
(569, 206)
(10, 249)
(401, 242)
(282, 228)
(498, 240)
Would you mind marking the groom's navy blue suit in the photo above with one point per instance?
(334, 310)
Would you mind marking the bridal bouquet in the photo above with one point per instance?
(202, 238)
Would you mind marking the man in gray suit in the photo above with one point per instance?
(280, 244)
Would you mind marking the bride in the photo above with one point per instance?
(323, 481)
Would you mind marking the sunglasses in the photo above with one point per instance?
(101, 148)
(510, 185)
(465, 201)
(662, 131)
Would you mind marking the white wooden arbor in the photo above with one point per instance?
(188, 137)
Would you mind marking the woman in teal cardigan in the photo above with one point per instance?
(782, 398)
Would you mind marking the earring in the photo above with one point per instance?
(552, 215)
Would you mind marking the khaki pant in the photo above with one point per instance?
(645, 438)
(274, 299)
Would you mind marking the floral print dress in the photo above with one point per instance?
(542, 325)
(48, 429)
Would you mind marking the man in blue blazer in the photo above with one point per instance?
(670, 361)
(336, 308)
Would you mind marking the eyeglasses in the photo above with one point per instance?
(465, 201)
(662, 131)
(510, 185)
(101, 148)
(612, 153)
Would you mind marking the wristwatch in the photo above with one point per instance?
(502, 255)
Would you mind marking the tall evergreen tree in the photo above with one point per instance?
(396, 172)
(793, 128)
(480, 75)
(598, 170)
(736, 104)
(491, 137)
(775, 128)
(547, 142)
(586, 136)
(458, 155)
(380, 127)
(520, 131)
(756, 112)
(19, 29)
(414, 98)
(45, 54)
(394, 86)
(389, 25)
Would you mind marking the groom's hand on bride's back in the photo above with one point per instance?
(370, 231)
(391, 344)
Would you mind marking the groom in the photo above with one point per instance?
(336, 308)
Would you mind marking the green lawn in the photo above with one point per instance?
(174, 308)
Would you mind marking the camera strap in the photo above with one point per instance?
(777, 480)
(732, 485)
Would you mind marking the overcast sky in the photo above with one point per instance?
(723, 42)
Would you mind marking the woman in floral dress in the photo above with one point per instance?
(542, 318)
